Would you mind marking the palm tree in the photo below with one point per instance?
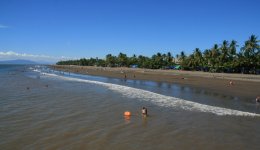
(215, 54)
(182, 56)
(177, 58)
(233, 48)
(250, 52)
(157, 61)
(224, 52)
(232, 56)
(169, 58)
(111, 60)
(218, 58)
(133, 60)
(144, 62)
(207, 59)
(198, 58)
(251, 47)
(207, 56)
(183, 60)
(122, 59)
(191, 62)
(164, 60)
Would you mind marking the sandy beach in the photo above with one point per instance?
(244, 86)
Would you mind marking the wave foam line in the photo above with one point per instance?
(161, 100)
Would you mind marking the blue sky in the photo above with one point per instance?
(76, 29)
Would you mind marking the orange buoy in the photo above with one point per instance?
(127, 113)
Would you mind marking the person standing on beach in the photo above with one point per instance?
(231, 83)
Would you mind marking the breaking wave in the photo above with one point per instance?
(158, 99)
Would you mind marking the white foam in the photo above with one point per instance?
(36, 70)
(161, 100)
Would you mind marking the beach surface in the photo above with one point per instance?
(47, 109)
(245, 86)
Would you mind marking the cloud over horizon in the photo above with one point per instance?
(10, 55)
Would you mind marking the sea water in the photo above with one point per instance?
(47, 109)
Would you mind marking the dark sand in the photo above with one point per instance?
(244, 86)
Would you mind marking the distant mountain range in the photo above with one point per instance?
(22, 62)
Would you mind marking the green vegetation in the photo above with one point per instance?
(219, 58)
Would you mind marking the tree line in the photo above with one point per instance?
(220, 58)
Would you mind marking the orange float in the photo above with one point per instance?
(127, 113)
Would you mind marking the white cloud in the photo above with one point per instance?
(10, 55)
(3, 26)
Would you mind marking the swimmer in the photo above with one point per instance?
(144, 111)
(257, 99)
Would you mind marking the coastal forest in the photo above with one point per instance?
(224, 57)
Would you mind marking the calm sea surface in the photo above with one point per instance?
(45, 109)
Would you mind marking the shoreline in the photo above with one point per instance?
(245, 86)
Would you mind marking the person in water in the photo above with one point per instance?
(257, 99)
(144, 111)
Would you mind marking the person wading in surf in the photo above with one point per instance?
(144, 111)
(257, 99)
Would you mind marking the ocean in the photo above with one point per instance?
(42, 108)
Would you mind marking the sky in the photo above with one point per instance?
(70, 29)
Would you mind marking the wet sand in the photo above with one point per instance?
(244, 86)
